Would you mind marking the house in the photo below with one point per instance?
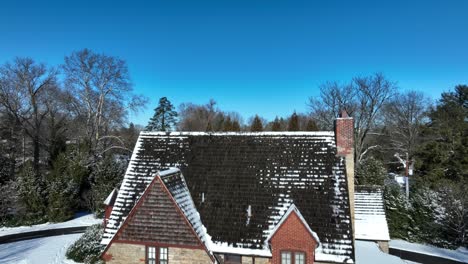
(370, 220)
(266, 197)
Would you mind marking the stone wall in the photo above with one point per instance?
(121, 253)
(188, 256)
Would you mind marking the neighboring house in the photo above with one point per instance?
(370, 220)
(267, 197)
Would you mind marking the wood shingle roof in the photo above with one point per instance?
(229, 173)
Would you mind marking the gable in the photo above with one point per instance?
(156, 219)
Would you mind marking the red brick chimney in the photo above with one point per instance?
(344, 132)
(344, 136)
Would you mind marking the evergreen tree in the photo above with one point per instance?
(445, 153)
(228, 125)
(236, 126)
(276, 126)
(311, 125)
(106, 176)
(256, 125)
(293, 124)
(32, 195)
(164, 117)
(397, 210)
(63, 184)
(371, 172)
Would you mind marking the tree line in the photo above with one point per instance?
(66, 139)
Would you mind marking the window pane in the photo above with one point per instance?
(299, 258)
(151, 254)
(163, 256)
(285, 257)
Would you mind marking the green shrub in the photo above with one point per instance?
(87, 248)
(32, 195)
(64, 183)
(371, 172)
(107, 175)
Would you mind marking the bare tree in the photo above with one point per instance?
(207, 117)
(404, 116)
(104, 93)
(363, 99)
(23, 88)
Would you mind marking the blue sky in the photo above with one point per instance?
(254, 57)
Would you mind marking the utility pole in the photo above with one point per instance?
(407, 175)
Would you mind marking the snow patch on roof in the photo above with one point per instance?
(370, 220)
(266, 133)
(111, 197)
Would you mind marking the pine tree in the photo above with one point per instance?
(107, 175)
(164, 117)
(227, 124)
(293, 124)
(256, 125)
(446, 155)
(63, 186)
(276, 126)
(311, 126)
(236, 126)
(31, 194)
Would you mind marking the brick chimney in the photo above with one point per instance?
(344, 136)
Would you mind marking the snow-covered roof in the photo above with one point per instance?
(111, 197)
(228, 174)
(175, 183)
(370, 220)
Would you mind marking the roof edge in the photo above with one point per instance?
(266, 133)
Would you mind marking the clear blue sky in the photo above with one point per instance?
(264, 57)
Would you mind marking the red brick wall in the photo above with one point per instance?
(344, 131)
(292, 236)
(107, 214)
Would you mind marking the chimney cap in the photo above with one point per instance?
(344, 114)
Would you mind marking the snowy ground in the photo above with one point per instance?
(46, 250)
(459, 255)
(369, 253)
(79, 220)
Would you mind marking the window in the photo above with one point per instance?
(285, 257)
(151, 255)
(156, 255)
(288, 257)
(163, 255)
(232, 259)
(299, 258)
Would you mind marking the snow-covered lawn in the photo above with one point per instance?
(459, 255)
(369, 253)
(46, 250)
(79, 220)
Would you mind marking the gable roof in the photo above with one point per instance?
(370, 220)
(158, 217)
(293, 209)
(228, 172)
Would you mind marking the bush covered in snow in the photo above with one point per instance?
(438, 217)
(87, 249)
(32, 195)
